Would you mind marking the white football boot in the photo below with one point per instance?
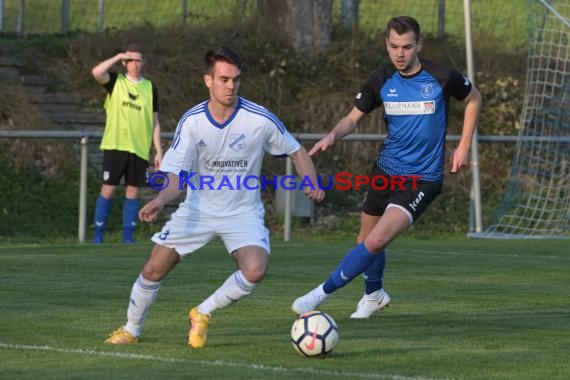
(309, 301)
(369, 303)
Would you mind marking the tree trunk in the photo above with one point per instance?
(306, 25)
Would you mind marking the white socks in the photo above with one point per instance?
(143, 295)
(145, 292)
(234, 288)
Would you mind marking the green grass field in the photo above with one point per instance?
(461, 309)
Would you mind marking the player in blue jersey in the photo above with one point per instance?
(414, 94)
(223, 138)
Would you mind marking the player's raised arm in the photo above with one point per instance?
(345, 126)
(101, 71)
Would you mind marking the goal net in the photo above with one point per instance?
(536, 200)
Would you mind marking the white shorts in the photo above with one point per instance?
(188, 234)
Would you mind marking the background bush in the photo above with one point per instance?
(309, 93)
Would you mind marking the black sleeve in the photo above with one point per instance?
(458, 85)
(368, 98)
(154, 99)
(110, 85)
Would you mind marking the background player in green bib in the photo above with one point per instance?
(132, 125)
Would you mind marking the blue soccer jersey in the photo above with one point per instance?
(416, 108)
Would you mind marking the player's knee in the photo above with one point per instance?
(153, 273)
(254, 274)
(132, 192)
(107, 191)
(375, 244)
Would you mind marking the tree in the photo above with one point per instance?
(349, 14)
(306, 25)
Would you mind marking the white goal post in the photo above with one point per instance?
(536, 200)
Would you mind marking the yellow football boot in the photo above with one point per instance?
(198, 334)
(121, 336)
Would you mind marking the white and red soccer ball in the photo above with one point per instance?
(314, 334)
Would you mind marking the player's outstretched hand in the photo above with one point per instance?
(150, 211)
(316, 195)
(322, 144)
(459, 160)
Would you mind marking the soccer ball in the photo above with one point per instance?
(314, 334)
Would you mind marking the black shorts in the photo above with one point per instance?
(411, 195)
(118, 163)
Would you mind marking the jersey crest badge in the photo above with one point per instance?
(237, 141)
(427, 90)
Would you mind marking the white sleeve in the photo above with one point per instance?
(280, 141)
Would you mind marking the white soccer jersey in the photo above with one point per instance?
(221, 163)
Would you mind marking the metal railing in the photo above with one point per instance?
(83, 137)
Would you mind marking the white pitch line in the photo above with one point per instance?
(484, 254)
(221, 363)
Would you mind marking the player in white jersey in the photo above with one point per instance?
(218, 159)
(217, 145)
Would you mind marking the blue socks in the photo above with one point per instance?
(130, 218)
(102, 208)
(374, 273)
(354, 262)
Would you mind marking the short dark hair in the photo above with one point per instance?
(135, 48)
(402, 25)
(221, 53)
